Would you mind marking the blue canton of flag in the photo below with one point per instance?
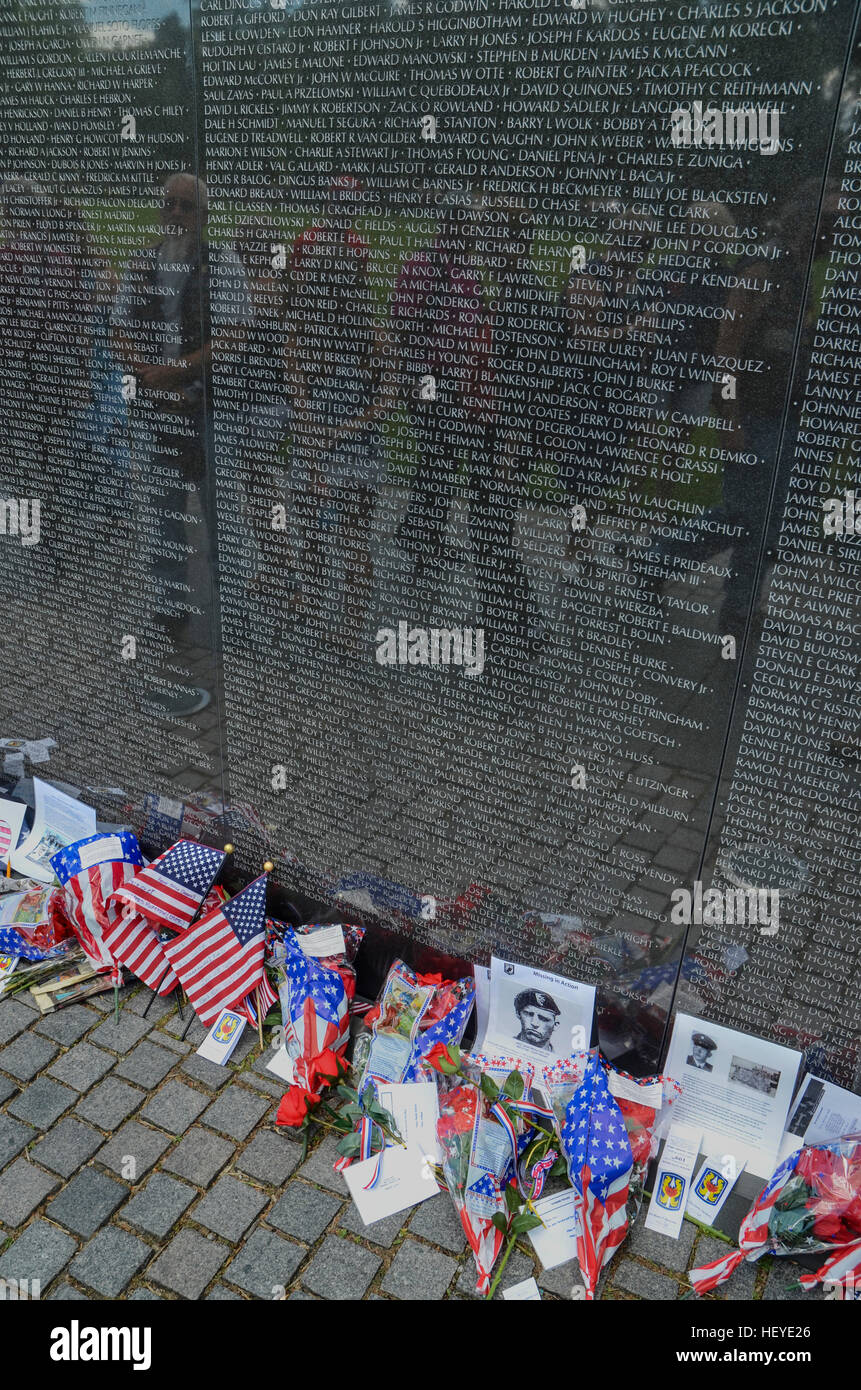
(174, 885)
(486, 1186)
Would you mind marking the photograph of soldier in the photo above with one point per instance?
(702, 1047)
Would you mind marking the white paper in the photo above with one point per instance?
(819, 1113)
(711, 1187)
(673, 1180)
(737, 1092)
(555, 1242)
(222, 1037)
(109, 847)
(539, 1032)
(11, 819)
(58, 820)
(482, 1004)
(405, 1179)
(281, 1063)
(526, 1291)
(327, 941)
(415, 1111)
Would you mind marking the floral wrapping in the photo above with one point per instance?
(812, 1203)
(477, 1156)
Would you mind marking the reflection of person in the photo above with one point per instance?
(538, 1015)
(702, 1046)
(167, 299)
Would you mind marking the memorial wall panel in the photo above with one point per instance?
(432, 403)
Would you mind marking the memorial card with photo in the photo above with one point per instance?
(536, 1015)
(820, 1113)
(735, 1088)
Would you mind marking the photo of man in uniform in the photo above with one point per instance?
(538, 1014)
(702, 1047)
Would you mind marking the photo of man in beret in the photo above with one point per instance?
(538, 1015)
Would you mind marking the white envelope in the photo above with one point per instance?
(405, 1180)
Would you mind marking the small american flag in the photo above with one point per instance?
(600, 1160)
(133, 941)
(220, 959)
(174, 885)
(449, 1030)
(316, 1008)
(91, 871)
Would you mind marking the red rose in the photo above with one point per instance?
(294, 1106)
(323, 1070)
(438, 1054)
(832, 1230)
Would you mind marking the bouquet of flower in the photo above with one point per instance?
(315, 993)
(415, 1012)
(812, 1203)
(482, 1130)
(608, 1132)
(33, 924)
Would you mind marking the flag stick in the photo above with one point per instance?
(164, 976)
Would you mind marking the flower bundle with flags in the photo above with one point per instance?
(811, 1203)
(91, 872)
(37, 927)
(220, 959)
(315, 1013)
(608, 1124)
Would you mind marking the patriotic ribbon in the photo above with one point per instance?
(538, 1175)
(366, 1139)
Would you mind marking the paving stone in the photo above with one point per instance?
(111, 1102)
(560, 1280)
(26, 1056)
(246, 1045)
(318, 1167)
(438, 1221)
(87, 1201)
(645, 1282)
(7, 1088)
(110, 1261)
(82, 1066)
(122, 1036)
(229, 1208)
(236, 1112)
(40, 1252)
(159, 1205)
(221, 1294)
(778, 1285)
(209, 1074)
(300, 1296)
(303, 1211)
(144, 1295)
(66, 1293)
(340, 1269)
(164, 1039)
(134, 1141)
(67, 1146)
(379, 1232)
(519, 1267)
(199, 1156)
(270, 1158)
(147, 1065)
(67, 1025)
(158, 1007)
(417, 1272)
(22, 1187)
(265, 1263)
(664, 1250)
(741, 1285)
(42, 1102)
(13, 1138)
(263, 1080)
(176, 1025)
(174, 1107)
(14, 1018)
(188, 1264)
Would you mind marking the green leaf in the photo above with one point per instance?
(525, 1222)
(349, 1145)
(447, 1068)
(512, 1198)
(454, 1054)
(513, 1085)
(559, 1169)
(348, 1093)
(499, 1222)
(489, 1088)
